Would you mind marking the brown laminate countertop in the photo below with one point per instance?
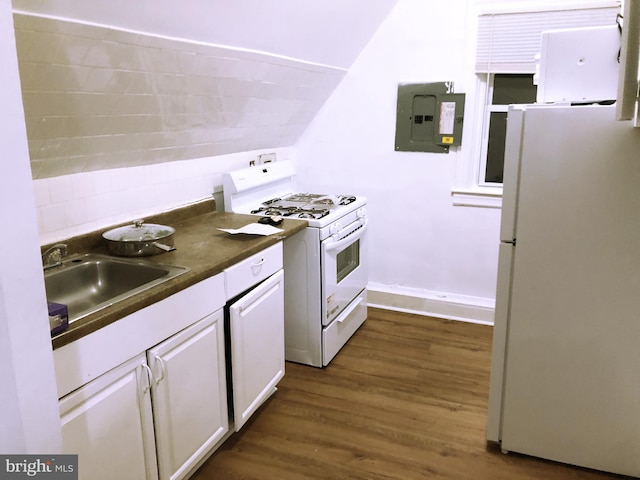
(200, 246)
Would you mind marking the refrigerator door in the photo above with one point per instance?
(572, 382)
(505, 260)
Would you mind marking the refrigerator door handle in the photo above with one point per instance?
(511, 180)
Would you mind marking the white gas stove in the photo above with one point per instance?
(325, 265)
(268, 190)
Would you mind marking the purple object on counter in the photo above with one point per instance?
(58, 317)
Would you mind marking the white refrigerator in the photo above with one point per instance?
(565, 373)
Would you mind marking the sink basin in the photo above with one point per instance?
(91, 282)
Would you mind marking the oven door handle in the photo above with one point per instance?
(345, 314)
(359, 232)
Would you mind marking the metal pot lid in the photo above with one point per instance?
(139, 232)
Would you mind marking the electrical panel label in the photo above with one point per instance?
(447, 117)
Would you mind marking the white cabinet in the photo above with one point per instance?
(146, 397)
(177, 390)
(189, 395)
(256, 330)
(106, 387)
(108, 423)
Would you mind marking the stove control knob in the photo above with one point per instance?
(362, 213)
(335, 228)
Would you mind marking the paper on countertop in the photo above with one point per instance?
(254, 229)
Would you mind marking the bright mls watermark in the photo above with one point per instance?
(50, 467)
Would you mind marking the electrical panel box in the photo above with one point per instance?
(429, 117)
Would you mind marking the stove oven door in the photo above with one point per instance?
(344, 268)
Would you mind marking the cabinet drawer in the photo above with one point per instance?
(253, 270)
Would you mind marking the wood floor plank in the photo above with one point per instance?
(405, 399)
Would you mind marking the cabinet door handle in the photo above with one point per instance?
(147, 387)
(256, 267)
(161, 377)
(258, 263)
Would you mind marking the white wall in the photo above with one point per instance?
(423, 250)
(29, 418)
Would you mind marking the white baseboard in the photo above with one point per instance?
(434, 304)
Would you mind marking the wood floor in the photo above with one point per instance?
(405, 399)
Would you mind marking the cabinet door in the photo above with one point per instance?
(109, 424)
(256, 324)
(189, 395)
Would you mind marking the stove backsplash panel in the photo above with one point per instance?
(98, 98)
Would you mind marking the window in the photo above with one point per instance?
(504, 90)
(347, 260)
(507, 43)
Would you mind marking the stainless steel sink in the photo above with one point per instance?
(91, 282)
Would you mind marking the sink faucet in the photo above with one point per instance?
(53, 256)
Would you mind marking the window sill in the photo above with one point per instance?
(484, 197)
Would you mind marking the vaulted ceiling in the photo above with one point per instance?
(331, 32)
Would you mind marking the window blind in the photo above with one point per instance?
(508, 42)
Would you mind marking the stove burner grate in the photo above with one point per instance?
(296, 212)
(323, 201)
(304, 205)
(346, 199)
(314, 213)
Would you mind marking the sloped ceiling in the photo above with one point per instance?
(111, 84)
(331, 32)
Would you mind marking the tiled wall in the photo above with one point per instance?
(99, 98)
(75, 204)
